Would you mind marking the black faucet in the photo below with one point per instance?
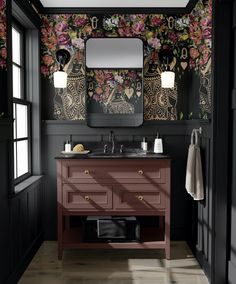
(112, 140)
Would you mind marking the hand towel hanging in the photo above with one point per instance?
(194, 179)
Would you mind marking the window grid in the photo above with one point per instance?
(22, 119)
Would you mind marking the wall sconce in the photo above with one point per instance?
(167, 76)
(60, 76)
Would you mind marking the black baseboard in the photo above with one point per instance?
(25, 261)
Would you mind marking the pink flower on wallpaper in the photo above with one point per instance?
(97, 98)
(154, 43)
(45, 71)
(156, 21)
(122, 22)
(132, 75)
(138, 28)
(100, 77)
(63, 39)
(195, 33)
(205, 22)
(80, 20)
(2, 4)
(206, 33)
(109, 76)
(125, 32)
(61, 27)
(3, 63)
(193, 52)
(173, 37)
(78, 43)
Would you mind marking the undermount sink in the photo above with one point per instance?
(120, 155)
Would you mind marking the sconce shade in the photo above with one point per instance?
(167, 79)
(60, 79)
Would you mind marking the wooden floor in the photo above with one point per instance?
(113, 266)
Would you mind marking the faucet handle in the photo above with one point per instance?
(111, 136)
(105, 149)
(121, 149)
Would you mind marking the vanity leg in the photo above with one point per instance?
(59, 252)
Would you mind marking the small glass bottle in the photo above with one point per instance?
(67, 146)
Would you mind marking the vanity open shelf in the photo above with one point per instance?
(114, 187)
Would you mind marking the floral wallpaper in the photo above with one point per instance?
(189, 36)
(114, 91)
(3, 33)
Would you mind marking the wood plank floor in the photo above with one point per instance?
(113, 266)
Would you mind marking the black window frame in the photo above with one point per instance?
(22, 101)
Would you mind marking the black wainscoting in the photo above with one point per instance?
(232, 203)
(21, 231)
(191, 221)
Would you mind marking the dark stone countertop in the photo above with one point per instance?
(94, 155)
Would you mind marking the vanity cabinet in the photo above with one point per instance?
(113, 187)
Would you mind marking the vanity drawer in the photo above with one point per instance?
(134, 197)
(115, 171)
(87, 197)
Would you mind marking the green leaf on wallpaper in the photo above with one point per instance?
(1, 114)
(181, 115)
(190, 115)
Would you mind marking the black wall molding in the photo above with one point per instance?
(149, 128)
(107, 10)
(38, 5)
(27, 9)
(222, 11)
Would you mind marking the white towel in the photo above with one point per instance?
(194, 180)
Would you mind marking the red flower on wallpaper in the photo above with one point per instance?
(192, 31)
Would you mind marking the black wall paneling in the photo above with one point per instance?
(232, 203)
(220, 139)
(20, 214)
(20, 217)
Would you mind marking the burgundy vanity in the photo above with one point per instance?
(113, 187)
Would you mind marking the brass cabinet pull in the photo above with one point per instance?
(140, 172)
(140, 197)
(87, 198)
(86, 172)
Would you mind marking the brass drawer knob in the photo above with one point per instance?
(86, 172)
(140, 197)
(140, 172)
(87, 198)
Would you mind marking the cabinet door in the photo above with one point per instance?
(134, 197)
(87, 197)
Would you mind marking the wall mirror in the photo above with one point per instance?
(114, 82)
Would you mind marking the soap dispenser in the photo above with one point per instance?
(144, 144)
(158, 146)
(68, 145)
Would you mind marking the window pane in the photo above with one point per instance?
(16, 48)
(21, 121)
(16, 74)
(14, 117)
(22, 157)
(15, 168)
